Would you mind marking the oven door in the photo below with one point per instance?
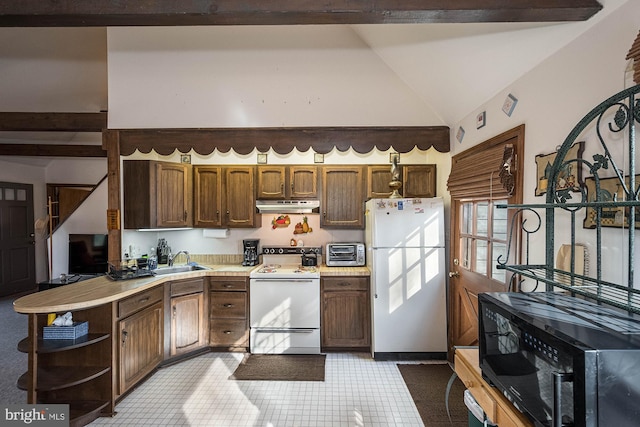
(285, 315)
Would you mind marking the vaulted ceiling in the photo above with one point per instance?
(453, 54)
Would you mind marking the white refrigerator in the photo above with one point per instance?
(406, 255)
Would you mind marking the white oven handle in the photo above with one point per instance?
(285, 330)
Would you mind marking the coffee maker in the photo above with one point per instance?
(250, 251)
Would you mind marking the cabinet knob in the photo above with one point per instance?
(125, 334)
(227, 305)
(227, 332)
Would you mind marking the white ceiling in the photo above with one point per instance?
(453, 68)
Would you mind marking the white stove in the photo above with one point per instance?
(284, 308)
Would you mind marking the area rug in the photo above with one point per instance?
(427, 384)
(280, 367)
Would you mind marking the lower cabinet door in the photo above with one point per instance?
(141, 348)
(187, 329)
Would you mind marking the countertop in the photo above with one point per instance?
(103, 290)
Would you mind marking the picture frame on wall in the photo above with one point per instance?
(481, 120)
(569, 178)
(614, 216)
(509, 104)
(460, 134)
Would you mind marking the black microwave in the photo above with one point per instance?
(561, 360)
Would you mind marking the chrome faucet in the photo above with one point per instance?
(173, 258)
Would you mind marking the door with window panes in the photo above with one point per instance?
(480, 230)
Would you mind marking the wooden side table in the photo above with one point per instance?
(495, 405)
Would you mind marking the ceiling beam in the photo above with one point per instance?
(52, 150)
(100, 13)
(53, 122)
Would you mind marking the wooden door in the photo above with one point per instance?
(240, 196)
(141, 347)
(187, 318)
(207, 193)
(479, 230)
(342, 197)
(378, 179)
(303, 182)
(173, 194)
(271, 180)
(17, 239)
(418, 181)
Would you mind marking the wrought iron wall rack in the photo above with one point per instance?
(616, 116)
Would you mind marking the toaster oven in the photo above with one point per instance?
(345, 254)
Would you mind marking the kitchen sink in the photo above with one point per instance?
(178, 269)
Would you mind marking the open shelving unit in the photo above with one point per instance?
(611, 127)
(77, 372)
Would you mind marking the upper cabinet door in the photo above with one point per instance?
(418, 181)
(343, 191)
(271, 182)
(240, 197)
(378, 179)
(303, 182)
(207, 194)
(173, 193)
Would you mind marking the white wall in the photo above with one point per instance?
(552, 98)
(253, 76)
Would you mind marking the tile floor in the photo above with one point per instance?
(357, 391)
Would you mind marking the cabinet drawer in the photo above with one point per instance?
(228, 332)
(139, 301)
(185, 287)
(347, 283)
(477, 389)
(228, 304)
(229, 285)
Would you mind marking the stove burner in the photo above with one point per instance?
(269, 268)
(302, 269)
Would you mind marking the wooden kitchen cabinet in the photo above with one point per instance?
(497, 407)
(188, 320)
(207, 196)
(343, 197)
(228, 313)
(74, 372)
(418, 181)
(140, 336)
(345, 318)
(378, 179)
(287, 182)
(240, 199)
(156, 194)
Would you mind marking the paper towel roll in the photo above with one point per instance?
(216, 233)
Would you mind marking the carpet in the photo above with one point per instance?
(280, 367)
(427, 384)
(14, 363)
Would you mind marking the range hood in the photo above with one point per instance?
(288, 206)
